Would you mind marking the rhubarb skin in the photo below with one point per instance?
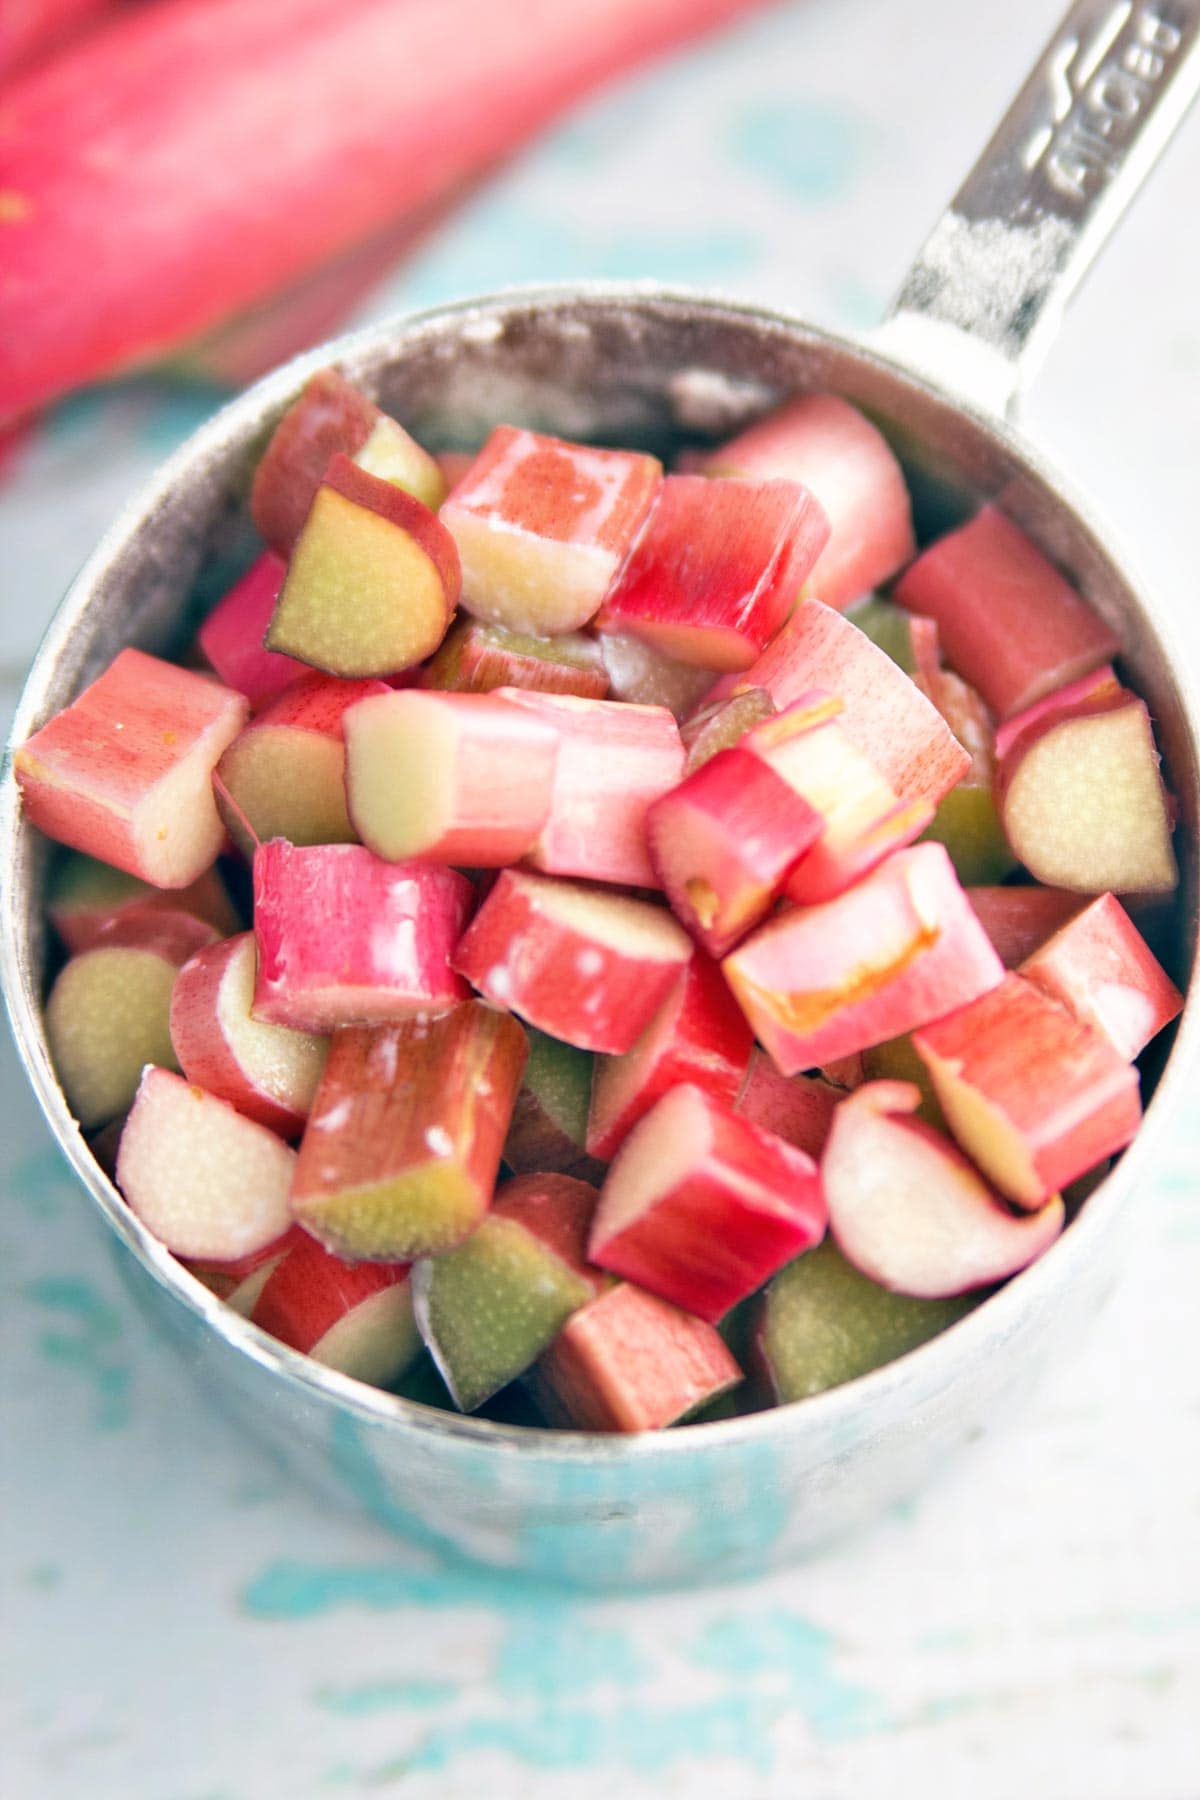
(1078, 696)
(344, 937)
(827, 445)
(353, 1317)
(587, 967)
(701, 1207)
(86, 900)
(449, 777)
(614, 761)
(699, 1035)
(543, 526)
(797, 1108)
(724, 842)
(1100, 967)
(231, 638)
(1019, 919)
(550, 1119)
(629, 1361)
(1083, 803)
(125, 772)
(403, 1144)
(286, 772)
(899, 949)
(477, 658)
(330, 418)
(884, 713)
(239, 1282)
(268, 1072)
(372, 582)
(717, 568)
(1034, 1097)
(1010, 624)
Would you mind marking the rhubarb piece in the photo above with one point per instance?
(724, 842)
(403, 1143)
(125, 772)
(1019, 919)
(543, 526)
(900, 949)
(108, 1014)
(884, 713)
(476, 658)
(239, 1282)
(827, 445)
(1101, 969)
(452, 778)
(1083, 802)
(698, 1036)
(35, 27)
(1034, 1097)
(910, 1212)
(613, 762)
(642, 675)
(721, 724)
(205, 1181)
(911, 641)
(628, 1361)
(717, 568)
(372, 582)
(1078, 696)
(285, 774)
(797, 1108)
(550, 1119)
(88, 899)
(488, 1309)
(701, 1206)
(1009, 622)
(845, 1072)
(897, 1060)
(967, 820)
(353, 1317)
(862, 821)
(346, 938)
(332, 418)
(231, 638)
(823, 1323)
(267, 1071)
(590, 968)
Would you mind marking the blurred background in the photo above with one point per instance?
(182, 202)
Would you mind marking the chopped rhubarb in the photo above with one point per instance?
(1010, 624)
(125, 772)
(285, 774)
(701, 1206)
(86, 900)
(449, 777)
(826, 444)
(724, 842)
(720, 724)
(644, 676)
(231, 638)
(797, 1108)
(717, 569)
(205, 1181)
(400, 1155)
(353, 1317)
(239, 1282)
(488, 1309)
(699, 1035)
(372, 582)
(344, 937)
(628, 1361)
(899, 949)
(1034, 1097)
(910, 1212)
(613, 762)
(1077, 696)
(268, 1072)
(1019, 919)
(550, 1118)
(588, 967)
(543, 526)
(476, 658)
(1101, 968)
(911, 641)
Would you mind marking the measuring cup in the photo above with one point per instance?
(641, 366)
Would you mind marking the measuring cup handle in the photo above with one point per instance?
(985, 295)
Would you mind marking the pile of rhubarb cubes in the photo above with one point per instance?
(679, 977)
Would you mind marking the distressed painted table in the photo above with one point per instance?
(178, 1625)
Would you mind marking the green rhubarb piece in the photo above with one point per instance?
(968, 823)
(889, 627)
(823, 1323)
(108, 1015)
(488, 1309)
(549, 1122)
(897, 1060)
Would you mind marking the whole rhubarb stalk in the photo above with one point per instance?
(303, 127)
